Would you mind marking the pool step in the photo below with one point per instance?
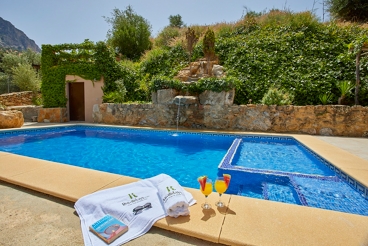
(280, 193)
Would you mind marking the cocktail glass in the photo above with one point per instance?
(221, 187)
(206, 189)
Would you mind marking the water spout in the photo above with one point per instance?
(178, 117)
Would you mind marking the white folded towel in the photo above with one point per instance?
(173, 197)
(137, 204)
(157, 180)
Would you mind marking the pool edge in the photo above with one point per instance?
(232, 228)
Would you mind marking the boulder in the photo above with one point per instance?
(194, 67)
(217, 71)
(11, 119)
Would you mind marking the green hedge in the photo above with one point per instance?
(303, 56)
(210, 84)
(87, 60)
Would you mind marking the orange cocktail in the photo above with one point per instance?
(206, 189)
(221, 185)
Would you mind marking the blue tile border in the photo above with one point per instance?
(25, 130)
(300, 194)
(265, 191)
(228, 158)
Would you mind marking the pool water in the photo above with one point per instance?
(282, 170)
(271, 168)
(134, 153)
(272, 155)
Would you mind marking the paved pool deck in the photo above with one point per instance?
(245, 221)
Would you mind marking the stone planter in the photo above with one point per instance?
(165, 96)
(52, 115)
(217, 98)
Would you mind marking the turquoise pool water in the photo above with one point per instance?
(284, 155)
(130, 152)
(271, 168)
(283, 170)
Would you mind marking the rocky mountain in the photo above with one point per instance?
(11, 37)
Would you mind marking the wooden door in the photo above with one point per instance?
(76, 102)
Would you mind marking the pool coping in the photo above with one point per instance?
(246, 221)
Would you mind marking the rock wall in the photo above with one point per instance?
(215, 111)
(16, 98)
(30, 112)
(314, 120)
(52, 115)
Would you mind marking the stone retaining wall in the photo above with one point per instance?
(17, 98)
(52, 115)
(330, 120)
(30, 112)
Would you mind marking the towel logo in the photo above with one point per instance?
(169, 188)
(132, 195)
(172, 194)
(134, 199)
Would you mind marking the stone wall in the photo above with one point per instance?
(52, 115)
(16, 98)
(315, 120)
(30, 112)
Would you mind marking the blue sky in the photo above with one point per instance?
(72, 21)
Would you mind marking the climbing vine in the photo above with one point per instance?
(87, 60)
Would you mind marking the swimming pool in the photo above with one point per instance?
(130, 152)
(255, 163)
(187, 155)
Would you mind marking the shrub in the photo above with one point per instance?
(348, 10)
(275, 96)
(117, 96)
(26, 78)
(162, 82)
(345, 88)
(325, 98)
(165, 37)
(37, 99)
(164, 62)
(217, 84)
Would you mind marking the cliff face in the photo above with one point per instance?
(11, 37)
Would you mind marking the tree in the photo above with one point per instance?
(164, 38)
(192, 39)
(11, 60)
(176, 21)
(209, 47)
(130, 33)
(32, 57)
(26, 78)
(348, 10)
